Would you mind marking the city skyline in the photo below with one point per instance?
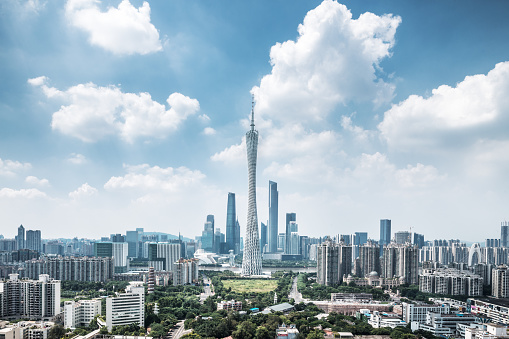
(366, 111)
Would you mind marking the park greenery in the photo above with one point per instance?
(314, 291)
(182, 303)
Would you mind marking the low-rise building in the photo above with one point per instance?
(287, 332)
(492, 331)
(384, 319)
(231, 305)
(26, 330)
(418, 313)
(495, 309)
(366, 297)
(81, 313)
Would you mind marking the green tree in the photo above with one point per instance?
(56, 332)
(103, 330)
(246, 330)
(157, 330)
(191, 336)
(262, 333)
(315, 334)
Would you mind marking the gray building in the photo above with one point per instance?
(273, 217)
(504, 233)
(385, 233)
(33, 240)
(333, 261)
(231, 218)
(289, 218)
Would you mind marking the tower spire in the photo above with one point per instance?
(252, 112)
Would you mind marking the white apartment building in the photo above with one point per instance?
(33, 299)
(26, 330)
(418, 313)
(126, 308)
(81, 313)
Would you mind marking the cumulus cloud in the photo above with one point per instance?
(36, 181)
(122, 30)
(209, 131)
(334, 60)
(477, 108)
(31, 193)
(93, 112)
(77, 159)
(84, 190)
(146, 178)
(233, 153)
(10, 167)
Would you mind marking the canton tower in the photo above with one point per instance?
(252, 259)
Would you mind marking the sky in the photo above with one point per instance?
(123, 114)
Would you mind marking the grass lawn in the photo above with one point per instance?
(250, 285)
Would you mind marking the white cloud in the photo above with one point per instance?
(122, 30)
(36, 181)
(84, 190)
(77, 159)
(333, 61)
(146, 178)
(31, 193)
(204, 118)
(94, 112)
(452, 117)
(234, 153)
(209, 131)
(9, 167)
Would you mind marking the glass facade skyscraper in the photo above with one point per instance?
(273, 217)
(385, 233)
(289, 217)
(504, 233)
(231, 217)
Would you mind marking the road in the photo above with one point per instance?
(207, 290)
(294, 293)
(179, 332)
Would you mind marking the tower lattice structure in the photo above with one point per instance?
(252, 259)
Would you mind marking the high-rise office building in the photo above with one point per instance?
(210, 218)
(117, 250)
(504, 234)
(231, 218)
(127, 308)
(273, 216)
(20, 238)
(162, 256)
(33, 240)
(132, 238)
(263, 236)
(238, 242)
(385, 233)
(419, 240)
(281, 242)
(289, 218)
(207, 237)
(403, 237)
(252, 259)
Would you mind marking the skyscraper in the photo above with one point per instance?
(504, 233)
(210, 218)
(289, 218)
(237, 237)
(33, 240)
(263, 236)
(231, 217)
(20, 238)
(273, 216)
(385, 233)
(252, 260)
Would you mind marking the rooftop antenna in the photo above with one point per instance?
(252, 112)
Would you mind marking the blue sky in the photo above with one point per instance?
(123, 114)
